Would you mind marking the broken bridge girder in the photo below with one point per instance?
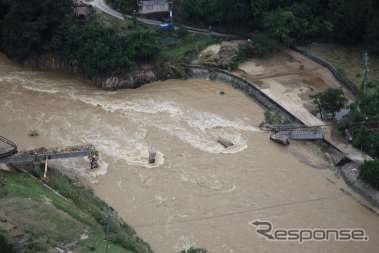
(7, 147)
(43, 154)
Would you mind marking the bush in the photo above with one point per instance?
(367, 140)
(260, 46)
(5, 246)
(330, 101)
(369, 172)
(275, 119)
(263, 45)
(125, 6)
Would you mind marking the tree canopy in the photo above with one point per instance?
(344, 21)
(35, 27)
(330, 101)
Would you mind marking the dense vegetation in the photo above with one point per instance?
(127, 6)
(34, 27)
(5, 246)
(290, 21)
(329, 101)
(369, 172)
(95, 47)
(362, 122)
(346, 21)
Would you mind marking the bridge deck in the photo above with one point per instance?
(42, 154)
(7, 147)
(304, 134)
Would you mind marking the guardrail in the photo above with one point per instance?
(12, 145)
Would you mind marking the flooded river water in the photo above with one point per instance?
(198, 193)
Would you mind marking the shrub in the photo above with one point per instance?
(369, 172)
(4, 245)
(330, 101)
(260, 46)
(273, 118)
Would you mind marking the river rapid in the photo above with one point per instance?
(198, 193)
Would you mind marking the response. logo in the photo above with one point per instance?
(266, 230)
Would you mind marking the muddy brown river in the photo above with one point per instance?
(198, 193)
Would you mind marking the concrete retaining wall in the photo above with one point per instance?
(196, 71)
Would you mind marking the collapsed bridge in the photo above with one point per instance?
(9, 153)
(284, 133)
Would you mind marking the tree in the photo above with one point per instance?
(216, 12)
(126, 6)
(362, 123)
(369, 172)
(281, 24)
(330, 101)
(28, 26)
(349, 18)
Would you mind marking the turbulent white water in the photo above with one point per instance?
(199, 129)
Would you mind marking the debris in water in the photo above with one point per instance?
(33, 133)
(280, 138)
(224, 142)
(152, 156)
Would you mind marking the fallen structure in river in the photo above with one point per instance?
(9, 154)
(283, 134)
(279, 138)
(225, 143)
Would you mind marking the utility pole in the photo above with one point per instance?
(171, 10)
(365, 72)
(107, 230)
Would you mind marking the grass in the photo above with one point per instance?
(114, 23)
(183, 48)
(53, 219)
(347, 60)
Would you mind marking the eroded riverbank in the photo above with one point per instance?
(198, 193)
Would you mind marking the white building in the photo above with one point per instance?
(153, 6)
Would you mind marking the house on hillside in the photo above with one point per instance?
(81, 10)
(153, 6)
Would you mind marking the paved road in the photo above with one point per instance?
(102, 6)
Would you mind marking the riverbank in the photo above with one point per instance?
(348, 61)
(112, 53)
(59, 214)
(283, 83)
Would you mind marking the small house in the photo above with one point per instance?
(82, 10)
(153, 6)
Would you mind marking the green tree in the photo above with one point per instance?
(28, 26)
(330, 101)
(369, 172)
(126, 6)
(281, 24)
(216, 12)
(362, 123)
